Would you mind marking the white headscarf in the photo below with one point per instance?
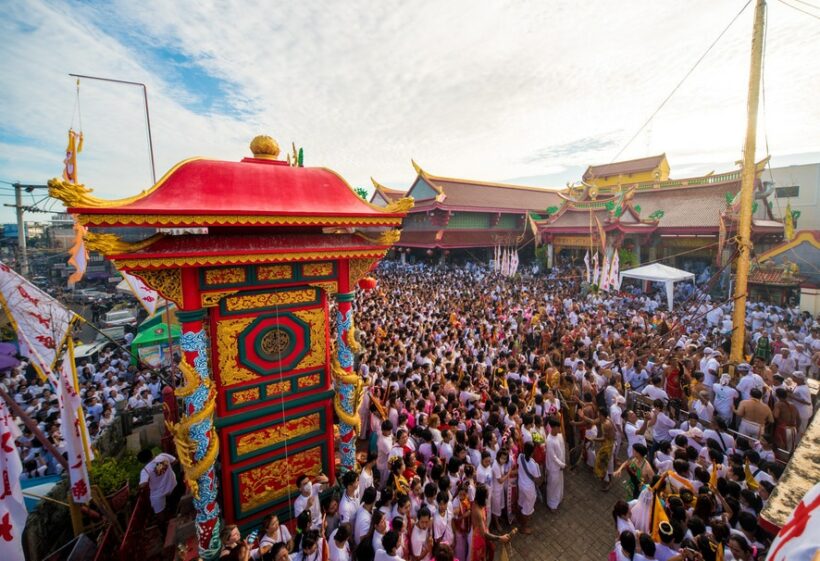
(641, 512)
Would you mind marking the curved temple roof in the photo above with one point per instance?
(255, 191)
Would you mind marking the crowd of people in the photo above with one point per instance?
(109, 386)
(486, 391)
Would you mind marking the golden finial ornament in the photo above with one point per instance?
(264, 147)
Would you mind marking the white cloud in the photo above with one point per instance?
(484, 90)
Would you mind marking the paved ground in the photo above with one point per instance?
(581, 530)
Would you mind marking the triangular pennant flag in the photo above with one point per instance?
(41, 322)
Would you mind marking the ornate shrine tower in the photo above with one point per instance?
(263, 383)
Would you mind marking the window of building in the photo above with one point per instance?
(787, 192)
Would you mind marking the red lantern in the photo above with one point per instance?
(367, 283)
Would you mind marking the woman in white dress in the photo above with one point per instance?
(503, 471)
(529, 477)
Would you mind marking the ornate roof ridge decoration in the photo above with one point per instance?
(111, 244)
(78, 195)
(430, 178)
(388, 237)
(195, 220)
(398, 206)
(384, 189)
(809, 236)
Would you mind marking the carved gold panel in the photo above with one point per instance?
(275, 434)
(274, 481)
(241, 303)
(317, 269)
(274, 272)
(225, 275)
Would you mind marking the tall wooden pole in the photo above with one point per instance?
(747, 187)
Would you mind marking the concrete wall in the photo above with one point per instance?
(810, 301)
(808, 178)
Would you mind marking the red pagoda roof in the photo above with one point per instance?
(256, 191)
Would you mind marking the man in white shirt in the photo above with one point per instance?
(748, 381)
(801, 398)
(364, 515)
(704, 408)
(725, 396)
(634, 431)
(308, 499)
(784, 363)
(655, 391)
(349, 503)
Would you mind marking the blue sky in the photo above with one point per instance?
(517, 90)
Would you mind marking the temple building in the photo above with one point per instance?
(464, 218)
(636, 207)
(633, 205)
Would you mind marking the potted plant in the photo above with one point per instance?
(114, 477)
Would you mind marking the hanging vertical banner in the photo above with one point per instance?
(721, 241)
(586, 264)
(12, 508)
(601, 235)
(605, 273)
(41, 322)
(596, 271)
(78, 254)
(147, 297)
(74, 430)
(615, 270)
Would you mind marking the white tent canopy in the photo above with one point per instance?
(659, 273)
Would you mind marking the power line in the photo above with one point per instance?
(815, 16)
(675, 89)
(809, 4)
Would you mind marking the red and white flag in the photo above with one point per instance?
(596, 270)
(148, 297)
(615, 271)
(41, 322)
(12, 508)
(605, 273)
(799, 538)
(75, 432)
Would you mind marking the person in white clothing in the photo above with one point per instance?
(158, 476)
(801, 398)
(337, 544)
(529, 477)
(725, 396)
(349, 503)
(308, 498)
(274, 533)
(364, 515)
(389, 544)
(421, 537)
(556, 462)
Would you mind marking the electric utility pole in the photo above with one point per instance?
(21, 225)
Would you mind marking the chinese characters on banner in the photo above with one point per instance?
(12, 508)
(148, 297)
(74, 432)
(42, 324)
